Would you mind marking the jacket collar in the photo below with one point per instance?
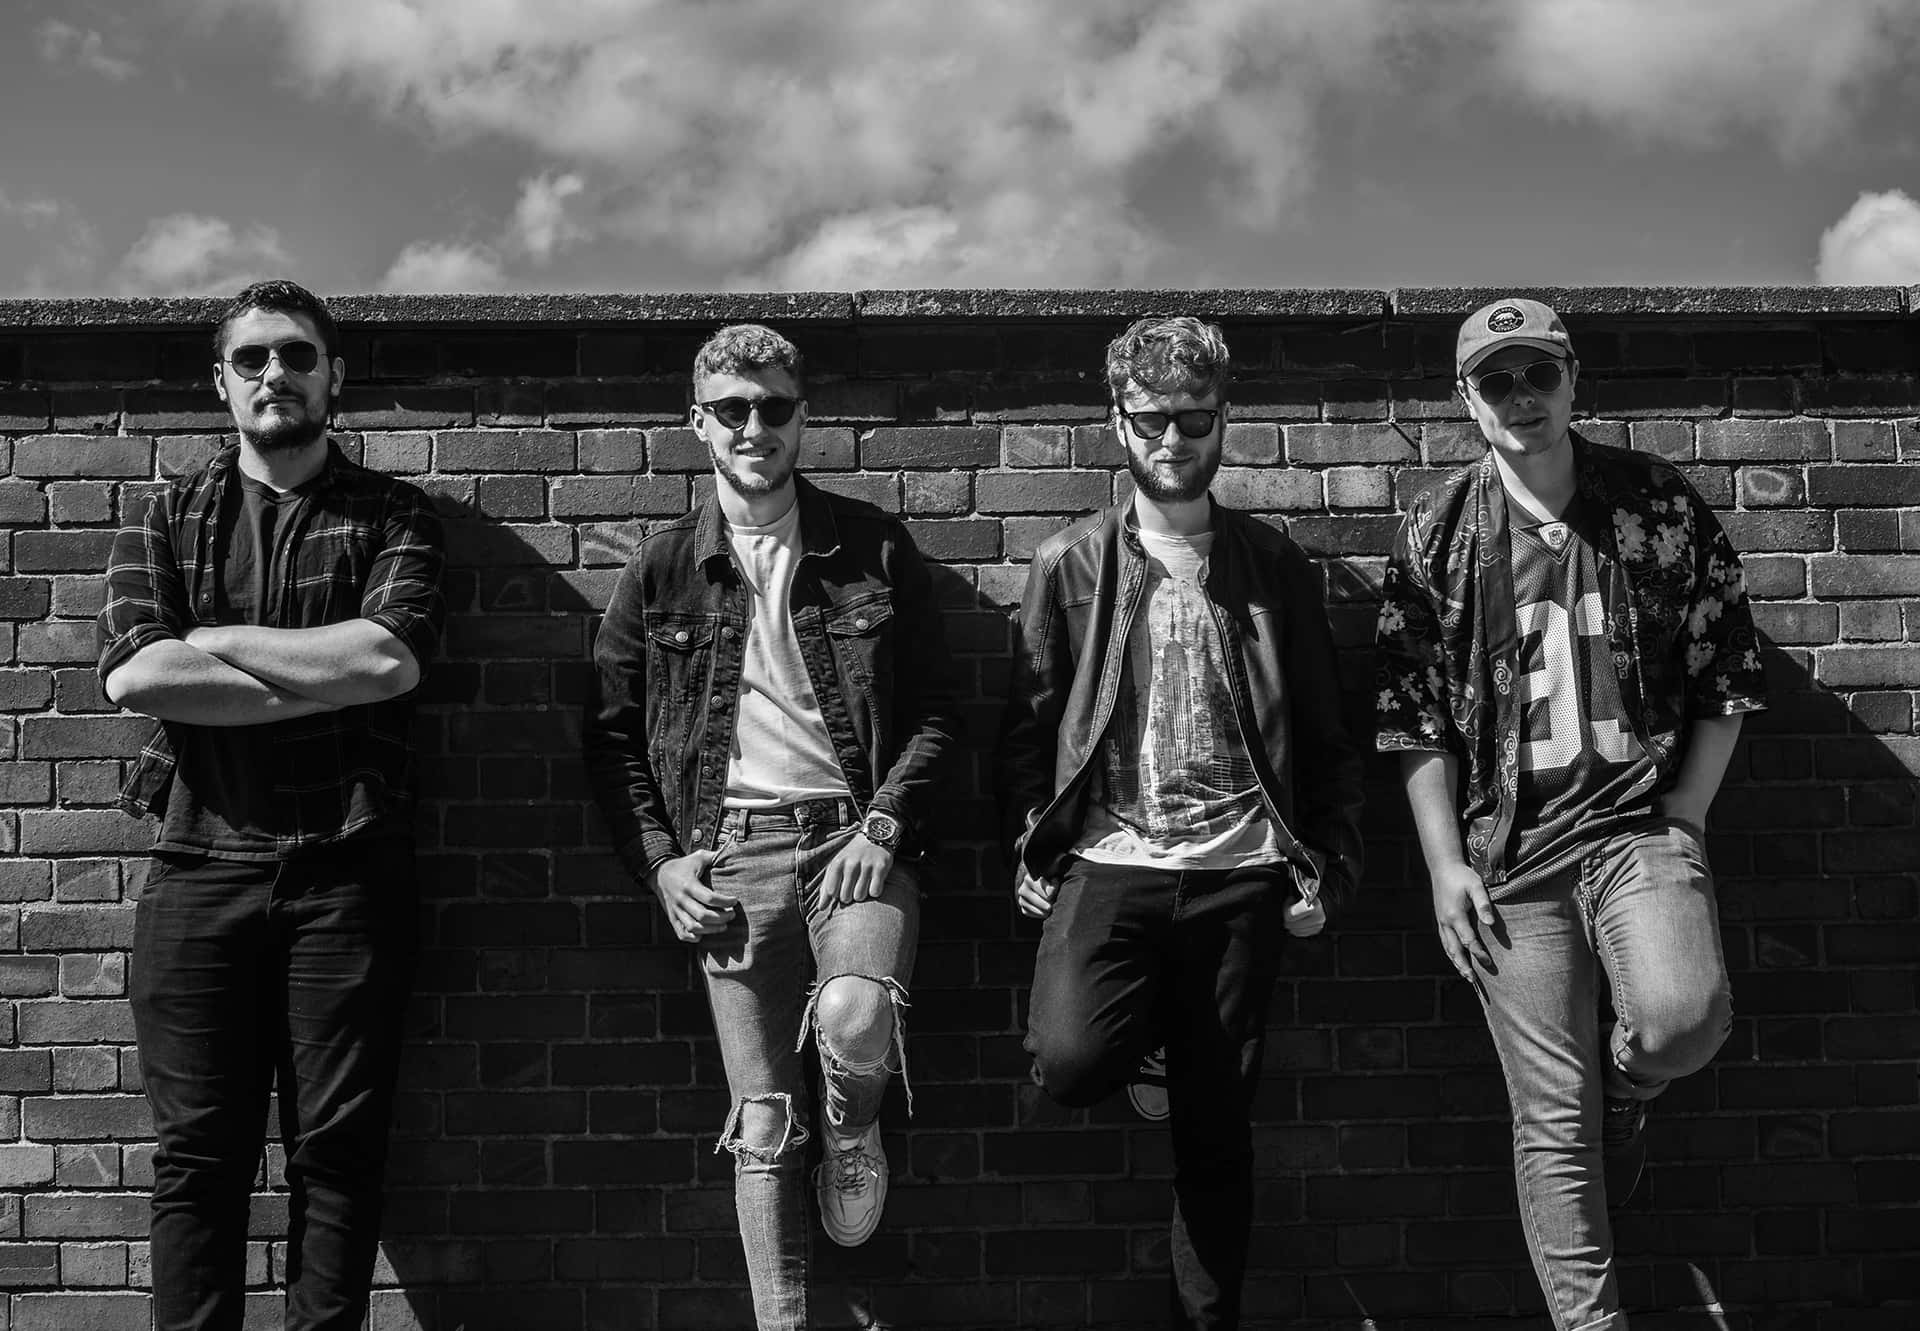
(819, 529)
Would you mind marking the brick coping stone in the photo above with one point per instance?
(962, 305)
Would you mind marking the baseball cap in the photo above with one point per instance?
(1512, 322)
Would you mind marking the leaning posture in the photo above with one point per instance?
(273, 609)
(1179, 792)
(774, 704)
(1564, 625)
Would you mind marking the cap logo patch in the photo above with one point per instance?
(1505, 319)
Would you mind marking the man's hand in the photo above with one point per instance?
(1035, 896)
(1461, 908)
(693, 908)
(858, 873)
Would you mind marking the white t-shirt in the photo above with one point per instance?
(781, 751)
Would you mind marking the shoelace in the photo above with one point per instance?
(851, 1168)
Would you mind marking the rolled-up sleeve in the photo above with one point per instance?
(403, 592)
(146, 601)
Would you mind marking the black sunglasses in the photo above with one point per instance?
(251, 361)
(732, 412)
(1496, 386)
(1193, 423)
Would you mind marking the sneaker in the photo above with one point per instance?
(1148, 1089)
(852, 1183)
(1623, 1147)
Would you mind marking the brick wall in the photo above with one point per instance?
(562, 1096)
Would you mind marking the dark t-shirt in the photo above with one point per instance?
(223, 793)
(1583, 772)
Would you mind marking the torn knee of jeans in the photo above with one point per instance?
(733, 1137)
(892, 1060)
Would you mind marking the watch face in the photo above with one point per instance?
(882, 830)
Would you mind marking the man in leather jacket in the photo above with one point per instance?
(774, 704)
(1177, 781)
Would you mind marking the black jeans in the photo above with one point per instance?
(246, 975)
(1132, 958)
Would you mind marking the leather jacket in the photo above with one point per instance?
(667, 667)
(1083, 591)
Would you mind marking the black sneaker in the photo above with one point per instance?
(1148, 1089)
(1623, 1147)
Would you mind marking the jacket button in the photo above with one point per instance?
(697, 836)
(681, 636)
(728, 633)
(860, 623)
(714, 701)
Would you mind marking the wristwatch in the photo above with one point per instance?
(883, 830)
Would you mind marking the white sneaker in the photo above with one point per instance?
(852, 1183)
(1148, 1089)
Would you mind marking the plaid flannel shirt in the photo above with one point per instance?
(365, 545)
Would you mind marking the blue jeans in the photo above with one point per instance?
(245, 975)
(1640, 908)
(1133, 958)
(763, 973)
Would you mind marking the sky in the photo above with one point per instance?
(177, 147)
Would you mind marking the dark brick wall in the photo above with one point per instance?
(555, 1166)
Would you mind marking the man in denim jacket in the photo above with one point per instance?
(1175, 776)
(774, 704)
(1565, 625)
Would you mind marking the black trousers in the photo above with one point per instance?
(248, 976)
(1134, 958)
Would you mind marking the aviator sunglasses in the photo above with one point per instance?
(1496, 386)
(251, 361)
(1193, 423)
(732, 412)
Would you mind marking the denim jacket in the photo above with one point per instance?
(1084, 588)
(1676, 618)
(667, 667)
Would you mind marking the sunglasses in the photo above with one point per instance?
(1496, 386)
(251, 361)
(733, 412)
(1193, 423)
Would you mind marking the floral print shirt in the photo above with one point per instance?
(1677, 624)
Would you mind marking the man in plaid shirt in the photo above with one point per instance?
(274, 611)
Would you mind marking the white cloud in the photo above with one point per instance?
(46, 247)
(891, 141)
(540, 219)
(433, 266)
(1698, 72)
(189, 254)
(1876, 243)
(63, 44)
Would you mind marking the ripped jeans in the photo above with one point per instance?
(763, 975)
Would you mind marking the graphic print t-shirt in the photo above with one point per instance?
(1174, 786)
(1583, 772)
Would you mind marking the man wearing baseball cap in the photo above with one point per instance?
(1564, 629)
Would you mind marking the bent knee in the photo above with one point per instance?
(1077, 1073)
(1682, 1038)
(854, 1016)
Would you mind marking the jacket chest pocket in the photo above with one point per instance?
(862, 638)
(679, 655)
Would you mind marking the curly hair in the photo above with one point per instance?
(1169, 354)
(283, 297)
(739, 348)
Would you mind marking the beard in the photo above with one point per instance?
(1168, 489)
(285, 434)
(751, 485)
